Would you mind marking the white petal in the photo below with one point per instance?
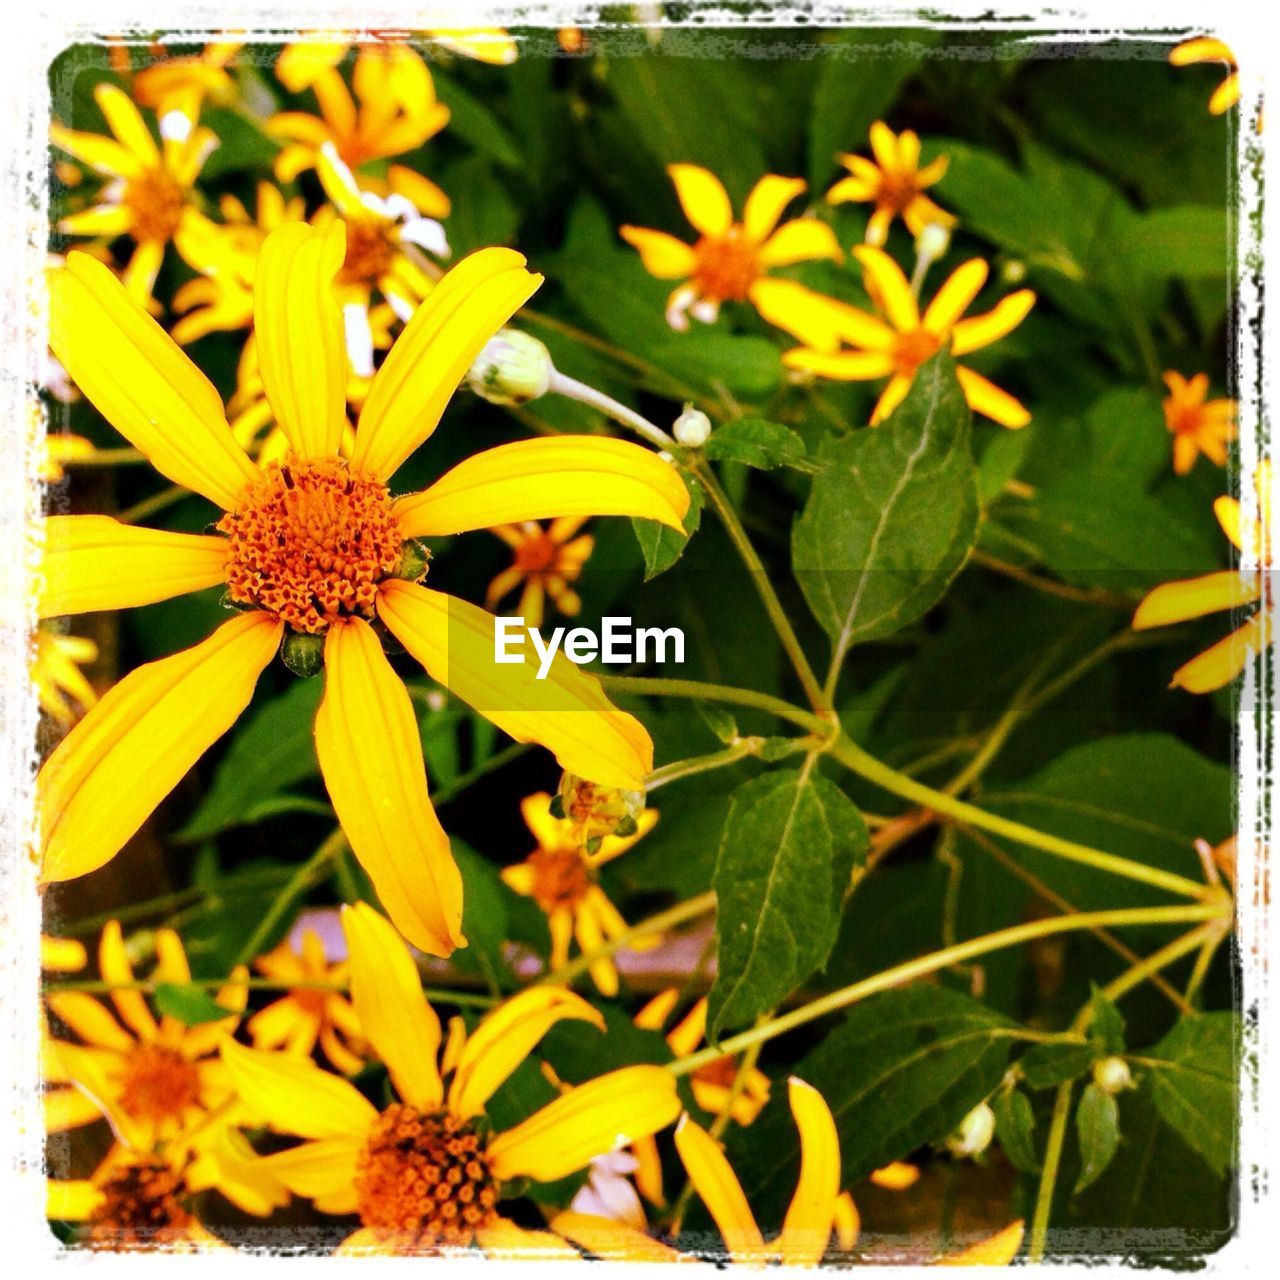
(355, 317)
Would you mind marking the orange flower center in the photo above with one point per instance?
(140, 1206)
(896, 190)
(727, 266)
(156, 201)
(912, 349)
(159, 1083)
(1184, 419)
(423, 1179)
(560, 878)
(310, 542)
(723, 1071)
(370, 251)
(537, 553)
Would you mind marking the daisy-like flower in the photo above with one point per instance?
(560, 876)
(1230, 589)
(311, 550)
(897, 345)
(55, 672)
(427, 1171)
(149, 192)
(205, 74)
(894, 182)
(1207, 49)
(1198, 425)
(310, 1012)
(397, 112)
(545, 561)
(299, 64)
(731, 260)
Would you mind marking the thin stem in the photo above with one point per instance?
(943, 959)
(564, 385)
(678, 769)
(664, 688)
(1146, 968)
(107, 458)
(1049, 1172)
(149, 506)
(1051, 586)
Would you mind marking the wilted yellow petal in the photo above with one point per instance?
(716, 1183)
(998, 1250)
(806, 1230)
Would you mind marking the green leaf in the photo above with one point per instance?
(473, 123)
(1193, 1078)
(1098, 1132)
(1190, 241)
(1107, 1027)
(1048, 1065)
(273, 750)
(660, 544)
(483, 213)
(789, 846)
(1016, 1129)
(747, 365)
(719, 721)
(190, 1004)
(892, 516)
(241, 145)
(485, 919)
(758, 443)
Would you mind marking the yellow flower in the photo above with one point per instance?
(730, 260)
(546, 560)
(299, 64)
(203, 73)
(397, 112)
(1197, 425)
(62, 955)
(384, 1165)
(899, 344)
(56, 674)
(894, 182)
(310, 549)
(1230, 589)
(149, 193)
(308, 1013)
(560, 876)
(1206, 49)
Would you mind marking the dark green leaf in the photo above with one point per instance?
(1107, 1027)
(1098, 1132)
(1047, 1065)
(485, 918)
(719, 721)
(191, 1005)
(758, 443)
(472, 122)
(1016, 1129)
(661, 545)
(746, 365)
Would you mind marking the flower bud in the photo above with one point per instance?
(973, 1134)
(933, 241)
(1013, 271)
(1112, 1075)
(414, 558)
(302, 653)
(513, 367)
(596, 811)
(692, 428)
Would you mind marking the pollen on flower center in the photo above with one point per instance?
(310, 542)
(561, 878)
(158, 1084)
(912, 349)
(727, 267)
(424, 1179)
(140, 1206)
(156, 202)
(370, 251)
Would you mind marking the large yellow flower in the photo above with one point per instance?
(894, 182)
(730, 260)
(560, 876)
(1207, 49)
(546, 560)
(1217, 592)
(426, 1171)
(149, 193)
(897, 345)
(1198, 425)
(312, 550)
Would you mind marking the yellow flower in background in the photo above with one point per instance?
(308, 1014)
(1198, 425)
(894, 182)
(299, 64)
(1218, 592)
(313, 549)
(149, 192)
(394, 110)
(427, 1170)
(1207, 49)
(62, 955)
(60, 449)
(55, 672)
(545, 560)
(204, 74)
(560, 876)
(897, 345)
(731, 260)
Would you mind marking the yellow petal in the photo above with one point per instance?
(1219, 665)
(803, 240)
(568, 712)
(139, 379)
(105, 155)
(718, 1186)
(125, 121)
(73, 1201)
(765, 204)
(1195, 597)
(848, 1223)
(663, 255)
(62, 955)
(504, 1239)
(852, 189)
(613, 1241)
(884, 146)
(806, 1230)
(298, 326)
(998, 1250)
(844, 366)
(133, 748)
(95, 562)
(394, 1014)
(590, 1120)
(370, 753)
(891, 397)
(1003, 318)
(89, 1019)
(1227, 511)
(102, 220)
(986, 398)
(1201, 49)
(703, 199)
(505, 1038)
(818, 321)
(897, 1176)
(292, 1095)
(1225, 96)
(887, 284)
(422, 370)
(114, 966)
(953, 299)
(653, 1016)
(546, 477)
(322, 1169)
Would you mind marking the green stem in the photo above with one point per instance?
(564, 385)
(108, 458)
(149, 506)
(99, 986)
(703, 764)
(1049, 1172)
(661, 687)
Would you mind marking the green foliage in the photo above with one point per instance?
(1098, 1132)
(191, 1005)
(758, 443)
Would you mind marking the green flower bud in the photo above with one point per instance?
(302, 653)
(692, 428)
(597, 811)
(1112, 1075)
(414, 559)
(513, 368)
(973, 1134)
